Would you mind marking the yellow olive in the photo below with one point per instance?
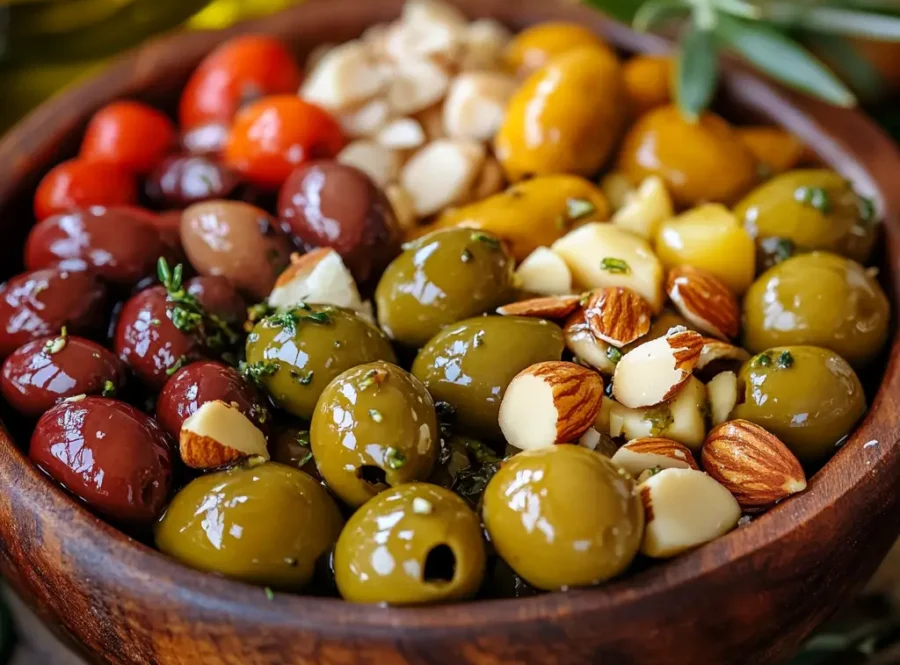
(711, 238)
(648, 82)
(776, 150)
(702, 161)
(566, 117)
(533, 48)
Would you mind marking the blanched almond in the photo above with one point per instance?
(586, 348)
(416, 85)
(549, 307)
(365, 120)
(653, 452)
(491, 180)
(401, 134)
(718, 354)
(345, 76)
(654, 371)
(550, 403)
(376, 161)
(617, 316)
(441, 173)
(646, 208)
(317, 278)
(545, 273)
(723, 396)
(704, 300)
(617, 188)
(483, 44)
(403, 205)
(217, 434)
(428, 29)
(476, 103)
(375, 39)
(683, 509)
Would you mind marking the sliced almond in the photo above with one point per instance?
(403, 205)
(718, 354)
(441, 173)
(549, 307)
(428, 29)
(476, 103)
(705, 301)
(550, 403)
(318, 277)
(376, 161)
(416, 85)
(545, 273)
(217, 434)
(684, 508)
(401, 134)
(586, 348)
(653, 452)
(654, 371)
(617, 188)
(601, 254)
(646, 208)
(365, 120)
(345, 76)
(618, 316)
(483, 43)
(752, 464)
(723, 396)
(491, 180)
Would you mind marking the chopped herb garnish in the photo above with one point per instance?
(303, 377)
(257, 371)
(615, 266)
(613, 354)
(303, 437)
(290, 319)
(652, 472)
(660, 419)
(579, 208)
(109, 389)
(467, 256)
(371, 378)
(269, 593)
(762, 360)
(470, 481)
(375, 414)
(58, 344)
(489, 240)
(478, 340)
(306, 460)
(785, 360)
(866, 210)
(258, 312)
(181, 362)
(779, 249)
(394, 458)
(817, 197)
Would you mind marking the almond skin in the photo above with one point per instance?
(617, 315)
(300, 264)
(705, 301)
(218, 434)
(686, 346)
(550, 307)
(204, 452)
(754, 465)
(657, 445)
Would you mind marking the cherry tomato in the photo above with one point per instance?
(133, 135)
(241, 70)
(77, 183)
(274, 135)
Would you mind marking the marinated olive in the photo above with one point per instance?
(42, 372)
(808, 397)
(182, 180)
(77, 184)
(565, 118)
(811, 209)
(116, 244)
(237, 241)
(699, 161)
(39, 303)
(820, 299)
(440, 279)
(534, 47)
(776, 150)
(129, 134)
(218, 297)
(470, 364)
(108, 454)
(374, 427)
(296, 353)
(531, 514)
(648, 82)
(411, 545)
(205, 381)
(264, 525)
(329, 204)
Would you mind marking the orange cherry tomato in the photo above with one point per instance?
(241, 70)
(77, 183)
(130, 134)
(274, 135)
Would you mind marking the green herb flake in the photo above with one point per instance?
(269, 593)
(817, 197)
(181, 362)
(489, 241)
(579, 209)
(371, 378)
(652, 472)
(779, 249)
(395, 459)
(303, 438)
(660, 419)
(613, 354)
(467, 256)
(375, 414)
(290, 319)
(58, 344)
(303, 377)
(259, 370)
(785, 360)
(259, 311)
(306, 460)
(109, 389)
(615, 266)
(762, 360)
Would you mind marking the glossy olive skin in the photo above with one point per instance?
(306, 354)
(531, 511)
(37, 375)
(264, 525)
(820, 299)
(107, 453)
(535, 46)
(206, 381)
(810, 405)
(840, 222)
(329, 204)
(116, 244)
(182, 180)
(237, 241)
(442, 278)
(374, 427)
(382, 555)
(220, 298)
(470, 364)
(39, 303)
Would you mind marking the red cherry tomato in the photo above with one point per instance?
(274, 135)
(80, 184)
(130, 134)
(241, 70)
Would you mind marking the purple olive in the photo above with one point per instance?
(181, 180)
(220, 298)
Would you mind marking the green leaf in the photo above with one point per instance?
(842, 56)
(623, 10)
(836, 20)
(738, 8)
(696, 72)
(656, 12)
(783, 59)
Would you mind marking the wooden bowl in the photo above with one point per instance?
(749, 597)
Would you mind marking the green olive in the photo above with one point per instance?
(469, 365)
(820, 299)
(296, 353)
(374, 427)
(563, 516)
(442, 278)
(807, 396)
(265, 525)
(806, 210)
(414, 544)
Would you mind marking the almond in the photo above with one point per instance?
(366, 119)
(416, 85)
(543, 272)
(646, 208)
(684, 508)
(441, 174)
(401, 134)
(586, 348)
(550, 307)
(476, 103)
(550, 403)
(721, 355)
(654, 452)
(483, 44)
(617, 315)
(376, 161)
(344, 76)
(218, 434)
(654, 371)
(617, 188)
(705, 301)
(753, 464)
(723, 396)
(318, 277)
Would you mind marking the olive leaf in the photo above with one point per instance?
(845, 59)
(696, 72)
(837, 20)
(657, 12)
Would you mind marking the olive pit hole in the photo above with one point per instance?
(440, 565)
(374, 475)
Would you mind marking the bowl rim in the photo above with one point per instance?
(843, 137)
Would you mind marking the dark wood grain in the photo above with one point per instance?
(749, 597)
